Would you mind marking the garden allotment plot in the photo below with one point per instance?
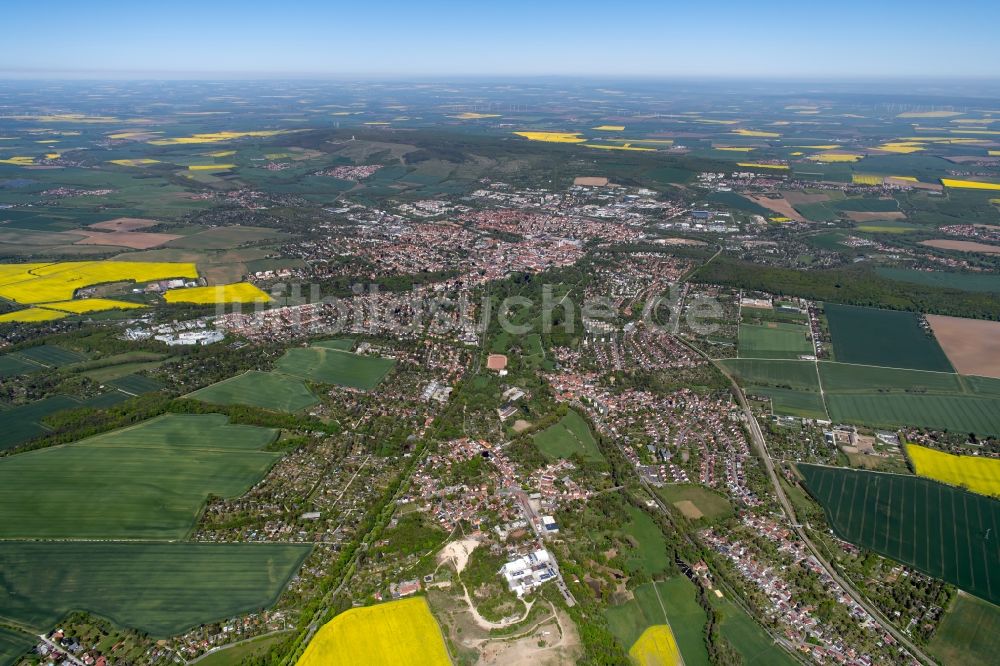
(335, 366)
(945, 532)
(148, 481)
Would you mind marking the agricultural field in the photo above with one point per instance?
(792, 402)
(343, 344)
(955, 413)
(651, 557)
(398, 632)
(238, 292)
(147, 481)
(267, 390)
(51, 356)
(334, 366)
(159, 588)
(972, 345)
(656, 647)
(11, 365)
(847, 378)
(571, 435)
(753, 643)
(47, 283)
(890, 338)
(671, 602)
(86, 305)
(938, 529)
(133, 384)
(777, 373)
(696, 502)
(13, 645)
(774, 340)
(969, 633)
(980, 475)
(23, 422)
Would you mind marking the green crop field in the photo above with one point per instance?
(779, 374)
(774, 340)
(676, 604)
(333, 366)
(343, 344)
(651, 557)
(24, 422)
(136, 384)
(147, 481)
(711, 504)
(753, 643)
(571, 435)
(956, 413)
(846, 378)
(792, 402)
(981, 282)
(969, 633)
(12, 365)
(51, 356)
(268, 390)
(159, 588)
(239, 654)
(14, 645)
(943, 531)
(870, 336)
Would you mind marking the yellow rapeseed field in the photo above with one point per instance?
(18, 161)
(902, 147)
(865, 179)
(138, 162)
(828, 146)
(746, 132)
(91, 305)
(221, 153)
(31, 315)
(624, 146)
(980, 475)
(835, 157)
(553, 137)
(609, 128)
(238, 292)
(390, 634)
(735, 149)
(656, 647)
(47, 283)
(969, 184)
(993, 153)
(758, 165)
(210, 167)
(216, 137)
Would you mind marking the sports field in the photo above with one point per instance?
(955, 413)
(943, 531)
(267, 390)
(774, 340)
(334, 366)
(160, 588)
(656, 647)
(398, 632)
(147, 481)
(969, 633)
(571, 435)
(891, 338)
(980, 475)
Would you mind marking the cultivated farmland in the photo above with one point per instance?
(870, 336)
(13, 645)
(969, 633)
(162, 588)
(774, 340)
(398, 632)
(148, 481)
(956, 413)
(777, 373)
(333, 366)
(980, 475)
(943, 531)
(267, 390)
(972, 345)
(238, 292)
(571, 435)
(656, 647)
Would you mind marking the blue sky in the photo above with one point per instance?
(721, 38)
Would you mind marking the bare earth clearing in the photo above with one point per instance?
(137, 240)
(124, 224)
(962, 246)
(972, 345)
(779, 206)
